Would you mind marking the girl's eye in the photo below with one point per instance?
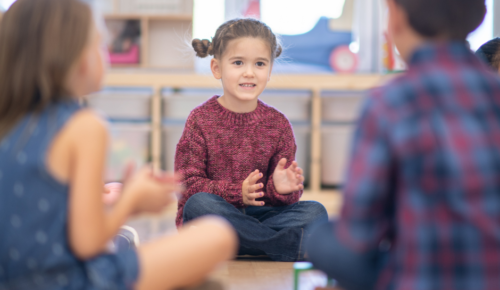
(260, 63)
(238, 62)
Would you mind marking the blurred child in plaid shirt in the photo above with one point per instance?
(422, 194)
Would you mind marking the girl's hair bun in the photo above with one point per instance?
(202, 47)
(279, 50)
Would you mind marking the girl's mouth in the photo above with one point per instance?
(248, 85)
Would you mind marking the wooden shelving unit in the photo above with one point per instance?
(163, 37)
(314, 83)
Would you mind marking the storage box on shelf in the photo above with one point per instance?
(129, 112)
(302, 133)
(123, 104)
(176, 108)
(130, 142)
(145, 6)
(340, 111)
(178, 104)
(172, 133)
(296, 106)
(164, 27)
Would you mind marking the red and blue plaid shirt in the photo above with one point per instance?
(425, 174)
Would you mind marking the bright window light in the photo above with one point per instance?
(5, 4)
(297, 16)
(208, 16)
(485, 31)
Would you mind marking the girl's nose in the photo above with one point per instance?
(248, 71)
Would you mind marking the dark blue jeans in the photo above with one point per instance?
(352, 270)
(278, 232)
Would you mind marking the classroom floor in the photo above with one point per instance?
(245, 273)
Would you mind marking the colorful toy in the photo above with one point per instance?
(316, 46)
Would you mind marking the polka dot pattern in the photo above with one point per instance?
(21, 157)
(14, 254)
(31, 264)
(4, 145)
(57, 249)
(41, 237)
(35, 219)
(18, 189)
(15, 221)
(43, 205)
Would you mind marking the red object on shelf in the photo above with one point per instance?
(130, 57)
(343, 60)
(253, 9)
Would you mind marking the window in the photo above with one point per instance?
(298, 16)
(208, 16)
(5, 4)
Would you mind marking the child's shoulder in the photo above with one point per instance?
(87, 123)
(398, 91)
(271, 113)
(208, 107)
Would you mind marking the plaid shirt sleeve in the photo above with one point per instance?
(366, 215)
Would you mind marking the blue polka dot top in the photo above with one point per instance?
(34, 247)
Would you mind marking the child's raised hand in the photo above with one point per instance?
(151, 192)
(288, 180)
(249, 189)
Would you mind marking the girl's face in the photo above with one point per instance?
(96, 59)
(245, 68)
(88, 73)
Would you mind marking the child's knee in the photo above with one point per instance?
(316, 211)
(198, 205)
(221, 233)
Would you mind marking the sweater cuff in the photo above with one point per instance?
(233, 195)
(285, 199)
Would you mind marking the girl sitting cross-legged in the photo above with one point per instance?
(237, 154)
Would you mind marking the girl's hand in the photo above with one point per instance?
(288, 180)
(249, 188)
(112, 192)
(151, 192)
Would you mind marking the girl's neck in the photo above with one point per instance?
(237, 106)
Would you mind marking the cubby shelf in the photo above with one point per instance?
(316, 84)
(171, 17)
(163, 37)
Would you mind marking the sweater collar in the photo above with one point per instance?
(233, 118)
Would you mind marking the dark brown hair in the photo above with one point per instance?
(490, 53)
(234, 29)
(452, 19)
(40, 40)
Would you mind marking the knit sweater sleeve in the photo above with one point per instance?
(286, 149)
(191, 162)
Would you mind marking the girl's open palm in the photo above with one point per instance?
(288, 180)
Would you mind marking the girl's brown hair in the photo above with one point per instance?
(40, 40)
(233, 29)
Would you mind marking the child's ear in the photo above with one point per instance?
(216, 69)
(270, 72)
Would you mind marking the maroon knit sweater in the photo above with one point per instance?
(220, 148)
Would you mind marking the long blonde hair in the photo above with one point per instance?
(40, 40)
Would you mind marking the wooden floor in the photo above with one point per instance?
(242, 274)
(264, 275)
